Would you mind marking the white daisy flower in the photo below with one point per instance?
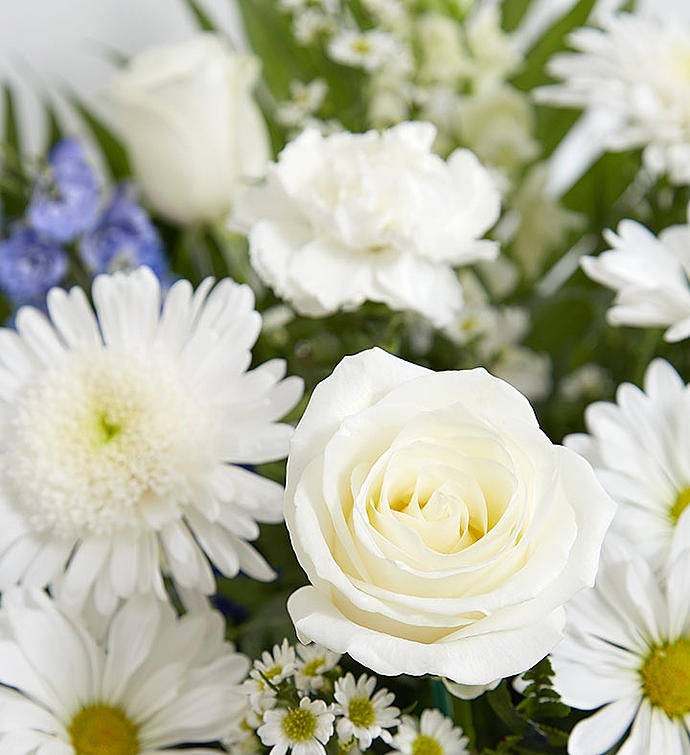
(433, 735)
(649, 275)
(364, 717)
(314, 661)
(154, 681)
(634, 68)
(305, 100)
(370, 50)
(121, 433)
(304, 729)
(640, 450)
(627, 653)
(277, 665)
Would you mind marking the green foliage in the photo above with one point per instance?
(111, 147)
(202, 19)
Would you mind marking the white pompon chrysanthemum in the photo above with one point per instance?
(637, 69)
(121, 435)
(304, 729)
(649, 275)
(151, 682)
(363, 715)
(626, 652)
(434, 735)
(640, 450)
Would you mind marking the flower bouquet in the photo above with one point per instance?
(322, 430)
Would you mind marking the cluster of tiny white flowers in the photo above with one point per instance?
(300, 700)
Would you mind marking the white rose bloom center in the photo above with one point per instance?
(440, 528)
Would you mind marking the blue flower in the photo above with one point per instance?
(123, 238)
(67, 195)
(30, 265)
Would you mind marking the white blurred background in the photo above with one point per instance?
(50, 47)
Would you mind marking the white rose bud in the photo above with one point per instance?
(191, 126)
(441, 530)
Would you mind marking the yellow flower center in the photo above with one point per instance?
(103, 730)
(273, 672)
(361, 712)
(680, 504)
(299, 725)
(666, 677)
(425, 745)
(311, 668)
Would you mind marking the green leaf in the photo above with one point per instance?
(11, 131)
(55, 132)
(111, 147)
(283, 60)
(502, 705)
(440, 697)
(202, 19)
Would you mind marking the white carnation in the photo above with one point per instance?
(348, 218)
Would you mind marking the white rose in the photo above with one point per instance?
(191, 126)
(347, 218)
(441, 530)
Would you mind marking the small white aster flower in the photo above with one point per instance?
(433, 735)
(305, 729)
(365, 715)
(626, 652)
(121, 433)
(305, 100)
(637, 68)
(277, 665)
(588, 381)
(309, 24)
(154, 681)
(526, 370)
(649, 275)
(640, 450)
(370, 50)
(314, 661)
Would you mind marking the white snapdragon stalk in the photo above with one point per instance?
(191, 126)
(354, 217)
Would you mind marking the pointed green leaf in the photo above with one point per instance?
(202, 19)
(111, 147)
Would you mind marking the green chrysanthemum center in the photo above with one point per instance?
(103, 730)
(680, 504)
(361, 712)
(425, 745)
(299, 725)
(666, 677)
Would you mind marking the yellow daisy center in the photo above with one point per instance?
(666, 677)
(311, 668)
(680, 504)
(299, 725)
(103, 730)
(361, 712)
(425, 745)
